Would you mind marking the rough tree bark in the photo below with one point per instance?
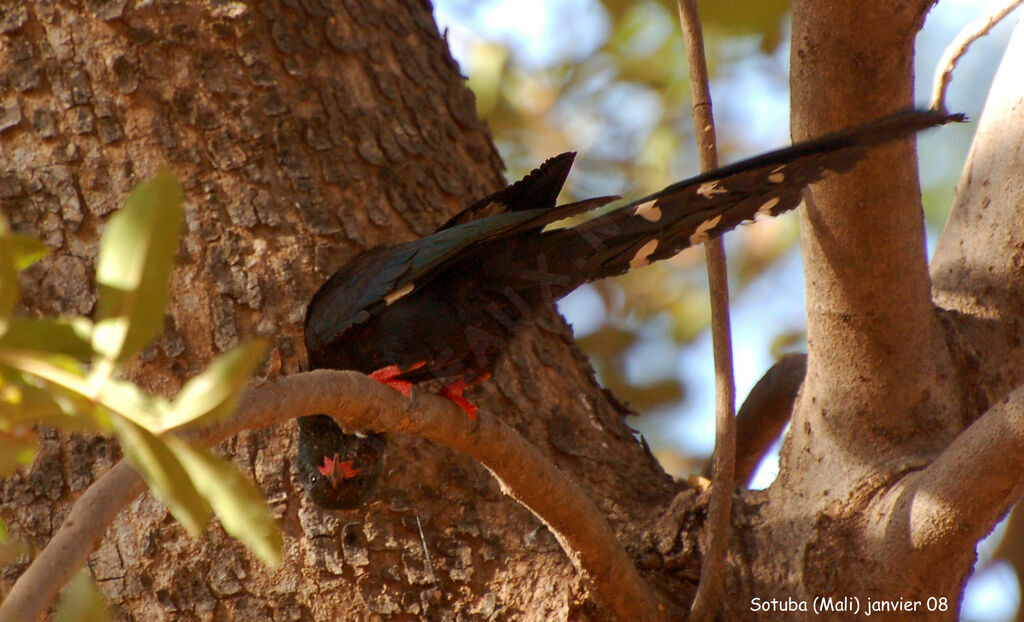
(302, 133)
(305, 131)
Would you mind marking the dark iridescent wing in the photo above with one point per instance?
(538, 190)
(382, 276)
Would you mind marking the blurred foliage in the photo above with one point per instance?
(624, 106)
(66, 372)
(81, 601)
(11, 548)
(788, 342)
(611, 83)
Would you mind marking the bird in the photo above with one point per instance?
(444, 307)
(339, 470)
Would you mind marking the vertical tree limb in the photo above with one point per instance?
(709, 592)
(976, 268)
(878, 367)
(977, 277)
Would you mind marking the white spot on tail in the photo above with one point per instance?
(648, 211)
(768, 205)
(709, 189)
(701, 234)
(400, 293)
(776, 176)
(642, 257)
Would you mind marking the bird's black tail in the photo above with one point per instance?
(689, 212)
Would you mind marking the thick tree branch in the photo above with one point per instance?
(360, 403)
(68, 550)
(976, 269)
(958, 499)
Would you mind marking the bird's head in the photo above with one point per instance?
(339, 471)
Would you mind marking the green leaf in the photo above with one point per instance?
(58, 369)
(82, 601)
(166, 477)
(488, 62)
(10, 291)
(26, 400)
(17, 449)
(239, 504)
(766, 18)
(25, 250)
(134, 267)
(213, 394)
(128, 400)
(57, 336)
(788, 341)
(11, 549)
(607, 341)
(17, 252)
(25, 403)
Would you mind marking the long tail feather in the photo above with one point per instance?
(689, 212)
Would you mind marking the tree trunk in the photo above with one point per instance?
(305, 131)
(302, 132)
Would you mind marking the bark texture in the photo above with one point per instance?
(305, 130)
(302, 132)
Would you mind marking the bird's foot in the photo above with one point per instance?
(389, 376)
(453, 391)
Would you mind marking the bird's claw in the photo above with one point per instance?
(453, 391)
(389, 376)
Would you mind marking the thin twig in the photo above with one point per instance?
(958, 47)
(709, 592)
(364, 404)
(426, 553)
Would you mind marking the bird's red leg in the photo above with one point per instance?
(389, 376)
(453, 391)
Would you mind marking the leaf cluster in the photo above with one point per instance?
(66, 372)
